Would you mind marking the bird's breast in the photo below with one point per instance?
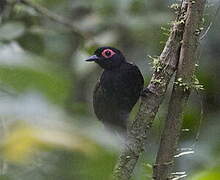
(112, 82)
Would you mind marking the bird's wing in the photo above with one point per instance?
(132, 86)
(98, 101)
(138, 79)
(107, 109)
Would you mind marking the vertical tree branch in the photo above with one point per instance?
(181, 91)
(150, 101)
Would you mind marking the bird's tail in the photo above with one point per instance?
(117, 123)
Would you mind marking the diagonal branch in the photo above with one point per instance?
(151, 100)
(211, 23)
(55, 17)
(181, 91)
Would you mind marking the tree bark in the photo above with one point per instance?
(181, 90)
(150, 101)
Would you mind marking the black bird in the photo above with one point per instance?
(118, 89)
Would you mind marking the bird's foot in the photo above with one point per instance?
(144, 92)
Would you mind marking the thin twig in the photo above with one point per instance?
(200, 119)
(211, 23)
(55, 17)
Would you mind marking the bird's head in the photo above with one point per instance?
(107, 57)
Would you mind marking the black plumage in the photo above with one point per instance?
(118, 89)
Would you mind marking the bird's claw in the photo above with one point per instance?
(144, 92)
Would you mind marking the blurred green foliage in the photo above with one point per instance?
(46, 84)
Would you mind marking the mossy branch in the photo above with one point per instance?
(180, 94)
(151, 100)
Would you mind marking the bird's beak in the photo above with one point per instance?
(92, 58)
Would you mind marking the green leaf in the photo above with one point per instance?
(213, 174)
(53, 85)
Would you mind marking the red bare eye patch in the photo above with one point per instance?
(108, 53)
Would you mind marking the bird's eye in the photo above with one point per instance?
(108, 53)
